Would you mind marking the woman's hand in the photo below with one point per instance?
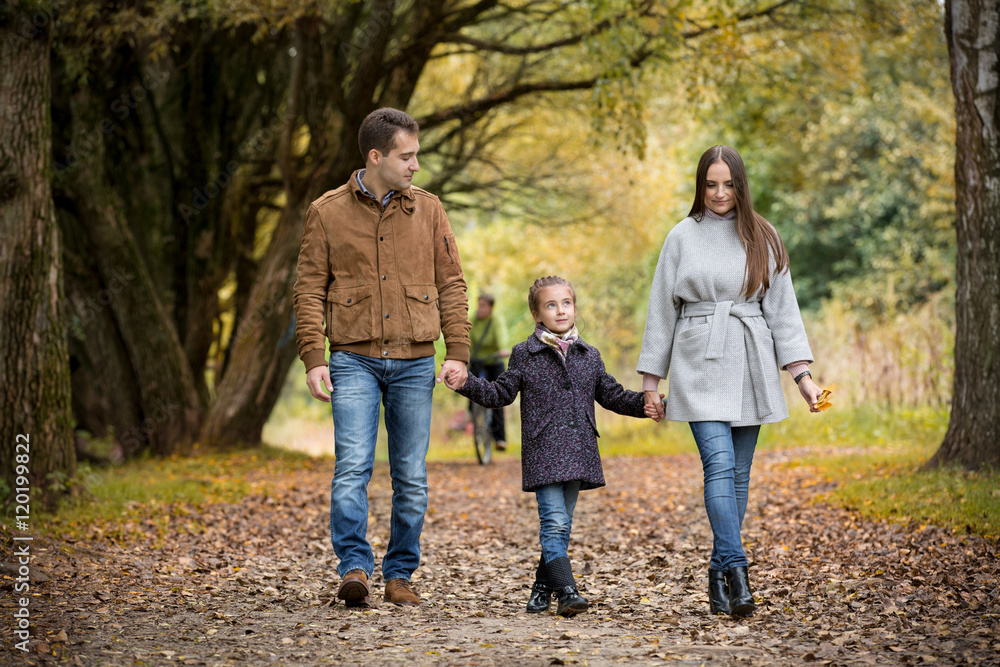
(810, 391)
(653, 405)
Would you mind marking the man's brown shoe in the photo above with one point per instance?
(398, 591)
(354, 587)
(364, 603)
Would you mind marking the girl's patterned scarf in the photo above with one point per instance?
(559, 343)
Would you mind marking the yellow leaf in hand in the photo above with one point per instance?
(823, 402)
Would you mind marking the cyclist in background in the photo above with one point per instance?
(489, 349)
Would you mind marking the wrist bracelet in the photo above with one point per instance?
(802, 375)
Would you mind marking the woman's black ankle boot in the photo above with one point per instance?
(740, 598)
(541, 591)
(718, 592)
(560, 574)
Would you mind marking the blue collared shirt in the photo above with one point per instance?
(385, 200)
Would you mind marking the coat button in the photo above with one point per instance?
(425, 297)
(383, 277)
(385, 353)
(387, 316)
(348, 301)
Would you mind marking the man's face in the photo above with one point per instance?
(396, 169)
(483, 309)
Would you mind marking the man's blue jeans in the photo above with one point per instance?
(404, 387)
(726, 455)
(556, 503)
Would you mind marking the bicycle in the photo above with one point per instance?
(482, 421)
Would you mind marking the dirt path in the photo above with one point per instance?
(253, 583)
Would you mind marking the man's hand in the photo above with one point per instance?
(453, 373)
(653, 405)
(317, 379)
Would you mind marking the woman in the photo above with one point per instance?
(723, 319)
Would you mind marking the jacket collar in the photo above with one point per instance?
(407, 198)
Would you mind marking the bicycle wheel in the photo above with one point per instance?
(481, 434)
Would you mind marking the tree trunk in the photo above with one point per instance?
(973, 31)
(35, 418)
(106, 399)
(261, 346)
(171, 411)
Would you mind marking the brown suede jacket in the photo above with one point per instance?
(386, 283)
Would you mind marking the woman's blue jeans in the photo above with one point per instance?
(404, 387)
(726, 455)
(556, 503)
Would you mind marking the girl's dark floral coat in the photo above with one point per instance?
(558, 431)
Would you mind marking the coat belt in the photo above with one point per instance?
(720, 312)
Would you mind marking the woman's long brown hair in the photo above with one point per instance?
(760, 239)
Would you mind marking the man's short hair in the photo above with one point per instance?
(487, 297)
(380, 127)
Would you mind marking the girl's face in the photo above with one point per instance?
(556, 310)
(720, 195)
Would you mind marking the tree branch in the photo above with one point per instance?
(507, 49)
(748, 16)
(484, 104)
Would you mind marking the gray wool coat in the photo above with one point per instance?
(558, 431)
(722, 350)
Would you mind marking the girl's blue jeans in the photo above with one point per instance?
(556, 503)
(726, 455)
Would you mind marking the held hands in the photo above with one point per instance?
(318, 379)
(810, 392)
(654, 405)
(453, 373)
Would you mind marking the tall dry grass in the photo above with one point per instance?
(902, 362)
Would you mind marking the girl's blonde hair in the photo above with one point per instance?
(547, 281)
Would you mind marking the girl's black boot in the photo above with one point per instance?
(740, 598)
(561, 579)
(541, 591)
(718, 592)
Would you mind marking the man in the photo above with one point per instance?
(489, 342)
(379, 265)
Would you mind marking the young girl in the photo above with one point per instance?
(559, 377)
(722, 320)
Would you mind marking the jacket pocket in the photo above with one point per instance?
(349, 315)
(425, 316)
(537, 424)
